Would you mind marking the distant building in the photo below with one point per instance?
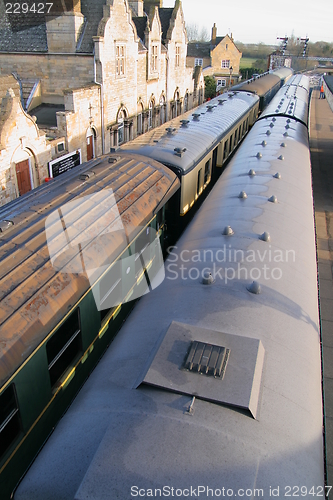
(93, 77)
(219, 58)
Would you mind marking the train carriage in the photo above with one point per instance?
(74, 255)
(197, 145)
(213, 386)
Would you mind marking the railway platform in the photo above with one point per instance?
(321, 144)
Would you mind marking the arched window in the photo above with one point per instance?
(186, 102)
(121, 128)
(150, 114)
(162, 110)
(139, 120)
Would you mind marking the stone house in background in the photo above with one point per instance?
(89, 79)
(219, 58)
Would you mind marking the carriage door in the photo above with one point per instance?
(23, 177)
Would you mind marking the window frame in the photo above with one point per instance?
(120, 60)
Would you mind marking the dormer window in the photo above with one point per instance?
(120, 60)
(177, 57)
(154, 58)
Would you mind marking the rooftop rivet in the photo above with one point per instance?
(265, 236)
(242, 195)
(273, 119)
(287, 126)
(264, 143)
(288, 121)
(271, 125)
(285, 134)
(259, 155)
(277, 175)
(208, 278)
(268, 132)
(228, 231)
(252, 172)
(273, 199)
(281, 157)
(254, 288)
(283, 145)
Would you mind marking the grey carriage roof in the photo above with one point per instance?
(197, 136)
(291, 100)
(115, 436)
(35, 287)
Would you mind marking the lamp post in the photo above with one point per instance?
(230, 69)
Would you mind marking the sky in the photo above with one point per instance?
(277, 19)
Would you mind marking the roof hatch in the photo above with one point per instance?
(210, 365)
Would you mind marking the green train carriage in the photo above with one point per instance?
(55, 319)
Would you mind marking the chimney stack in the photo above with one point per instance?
(214, 34)
(137, 7)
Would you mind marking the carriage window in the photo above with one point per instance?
(110, 289)
(225, 151)
(199, 179)
(64, 346)
(10, 422)
(207, 170)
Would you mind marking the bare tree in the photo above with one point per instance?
(196, 34)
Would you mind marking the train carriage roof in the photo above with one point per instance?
(261, 85)
(184, 141)
(39, 285)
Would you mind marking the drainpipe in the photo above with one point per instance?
(102, 104)
(167, 88)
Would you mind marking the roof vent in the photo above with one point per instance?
(264, 143)
(273, 199)
(228, 231)
(196, 116)
(252, 172)
(254, 288)
(179, 151)
(242, 195)
(265, 236)
(184, 122)
(5, 225)
(259, 155)
(277, 175)
(281, 157)
(86, 175)
(208, 278)
(207, 359)
(268, 132)
(170, 130)
(113, 159)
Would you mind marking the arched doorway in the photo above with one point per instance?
(91, 143)
(24, 162)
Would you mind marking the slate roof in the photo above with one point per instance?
(165, 18)
(199, 49)
(16, 37)
(140, 24)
